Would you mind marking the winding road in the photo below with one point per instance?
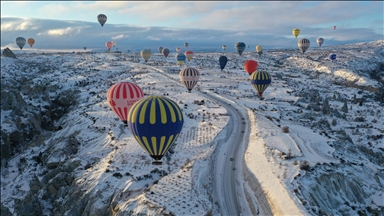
(226, 170)
(228, 173)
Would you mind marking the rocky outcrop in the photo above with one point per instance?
(29, 120)
(8, 53)
(345, 107)
(333, 191)
(28, 206)
(326, 109)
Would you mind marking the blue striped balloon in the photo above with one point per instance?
(155, 122)
(240, 47)
(260, 81)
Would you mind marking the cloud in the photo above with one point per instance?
(64, 34)
(121, 36)
(15, 25)
(66, 31)
(153, 38)
(62, 9)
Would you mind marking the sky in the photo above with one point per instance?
(205, 25)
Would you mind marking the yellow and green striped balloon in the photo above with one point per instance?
(155, 122)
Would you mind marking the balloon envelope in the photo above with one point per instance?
(296, 32)
(20, 41)
(240, 47)
(146, 54)
(320, 41)
(186, 45)
(334, 27)
(303, 44)
(122, 96)
(223, 61)
(260, 81)
(259, 48)
(189, 77)
(166, 52)
(108, 44)
(332, 56)
(102, 19)
(161, 49)
(180, 58)
(189, 55)
(250, 66)
(178, 49)
(31, 41)
(224, 47)
(155, 122)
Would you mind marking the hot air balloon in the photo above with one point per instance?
(320, 41)
(166, 52)
(224, 47)
(20, 41)
(189, 77)
(186, 45)
(334, 27)
(260, 81)
(250, 66)
(303, 44)
(155, 122)
(85, 48)
(180, 58)
(108, 45)
(160, 49)
(178, 49)
(240, 47)
(122, 96)
(31, 41)
(332, 56)
(259, 50)
(114, 43)
(146, 54)
(188, 54)
(223, 61)
(296, 32)
(102, 19)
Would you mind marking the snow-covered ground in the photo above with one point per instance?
(314, 145)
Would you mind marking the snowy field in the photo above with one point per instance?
(314, 145)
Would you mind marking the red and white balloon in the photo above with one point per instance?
(122, 96)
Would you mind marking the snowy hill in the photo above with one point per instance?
(313, 146)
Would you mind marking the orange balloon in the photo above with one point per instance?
(31, 41)
(250, 66)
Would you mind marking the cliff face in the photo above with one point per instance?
(342, 189)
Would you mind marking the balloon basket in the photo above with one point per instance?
(157, 163)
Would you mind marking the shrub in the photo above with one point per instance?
(305, 165)
(285, 129)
